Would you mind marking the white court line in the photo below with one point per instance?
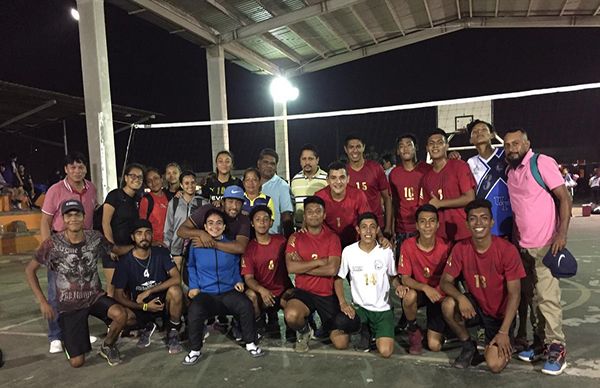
(20, 324)
(23, 333)
(584, 297)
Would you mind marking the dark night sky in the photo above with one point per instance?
(151, 69)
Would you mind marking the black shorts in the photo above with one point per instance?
(326, 306)
(435, 319)
(75, 329)
(488, 323)
(143, 317)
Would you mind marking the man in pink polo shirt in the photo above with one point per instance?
(541, 228)
(74, 186)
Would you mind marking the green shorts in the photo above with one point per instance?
(381, 323)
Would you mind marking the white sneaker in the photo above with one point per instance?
(55, 346)
(93, 339)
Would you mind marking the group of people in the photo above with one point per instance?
(465, 240)
(16, 185)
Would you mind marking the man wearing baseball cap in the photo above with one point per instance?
(151, 279)
(73, 254)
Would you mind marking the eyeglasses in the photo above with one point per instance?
(135, 177)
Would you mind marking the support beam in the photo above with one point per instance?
(24, 115)
(470, 8)
(363, 25)
(217, 97)
(597, 11)
(96, 91)
(458, 13)
(288, 19)
(281, 140)
(396, 17)
(428, 13)
(251, 57)
(564, 8)
(334, 32)
(529, 7)
(497, 7)
(376, 49)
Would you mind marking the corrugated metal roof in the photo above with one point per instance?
(291, 33)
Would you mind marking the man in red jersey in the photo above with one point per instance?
(405, 184)
(421, 264)
(492, 270)
(263, 268)
(314, 257)
(368, 175)
(449, 186)
(343, 203)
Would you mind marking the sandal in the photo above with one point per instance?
(256, 352)
(191, 359)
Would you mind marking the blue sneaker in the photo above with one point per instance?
(533, 354)
(556, 362)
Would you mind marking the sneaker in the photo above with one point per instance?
(55, 346)
(533, 354)
(466, 355)
(364, 344)
(481, 339)
(556, 362)
(290, 335)
(146, 335)
(173, 342)
(93, 339)
(402, 325)
(520, 345)
(415, 341)
(110, 353)
(302, 340)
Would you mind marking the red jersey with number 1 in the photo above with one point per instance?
(486, 273)
(370, 179)
(312, 247)
(451, 182)
(267, 264)
(424, 267)
(342, 216)
(406, 193)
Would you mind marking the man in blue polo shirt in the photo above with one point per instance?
(279, 190)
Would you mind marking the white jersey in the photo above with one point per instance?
(369, 281)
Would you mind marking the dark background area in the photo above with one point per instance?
(153, 70)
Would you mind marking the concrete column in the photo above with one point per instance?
(217, 97)
(281, 140)
(96, 90)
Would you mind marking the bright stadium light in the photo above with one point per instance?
(75, 14)
(282, 90)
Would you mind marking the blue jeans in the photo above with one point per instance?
(54, 332)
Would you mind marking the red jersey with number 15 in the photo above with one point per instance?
(370, 179)
(342, 216)
(451, 182)
(312, 247)
(486, 273)
(406, 193)
(267, 264)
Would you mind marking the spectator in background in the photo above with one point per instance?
(153, 205)
(570, 180)
(279, 190)
(11, 172)
(253, 195)
(595, 186)
(215, 185)
(27, 182)
(388, 163)
(172, 173)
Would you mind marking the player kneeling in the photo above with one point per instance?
(263, 268)
(492, 271)
(421, 264)
(370, 267)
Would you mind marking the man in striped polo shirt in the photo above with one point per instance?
(308, 181)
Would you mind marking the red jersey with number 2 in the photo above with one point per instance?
(312, 247)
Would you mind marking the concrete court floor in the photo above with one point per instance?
(223, 364)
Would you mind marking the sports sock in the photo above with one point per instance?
(251, 346)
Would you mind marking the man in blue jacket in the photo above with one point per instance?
(216, 288)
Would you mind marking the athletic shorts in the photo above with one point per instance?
(326, 306)
(435, 319)
(75, 329)
(490, 324)
(381, 323)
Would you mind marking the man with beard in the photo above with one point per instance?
(73, 255)
(536, 186)
(151, 279)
